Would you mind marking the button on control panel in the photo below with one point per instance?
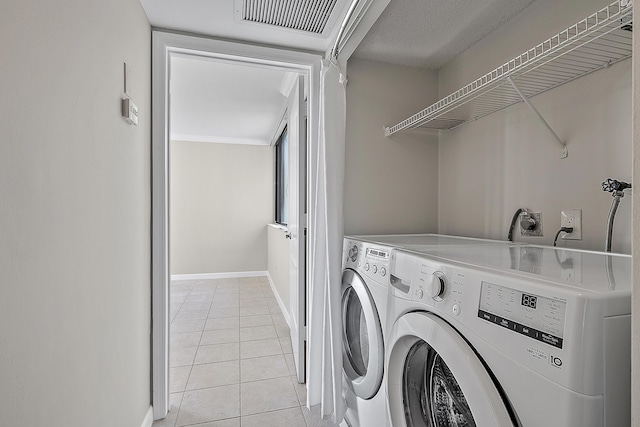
(375, 261)
(456, 309)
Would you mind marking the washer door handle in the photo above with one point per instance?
(397, 283)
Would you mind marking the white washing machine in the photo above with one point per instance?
(505, 335)
(365, 282)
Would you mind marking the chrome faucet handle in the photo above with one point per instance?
(607, 185)
(613, 185)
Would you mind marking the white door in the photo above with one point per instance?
(435, 379)
(296, 196)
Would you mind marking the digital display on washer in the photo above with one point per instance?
(377, 253)
(529, 300)
(537, 317)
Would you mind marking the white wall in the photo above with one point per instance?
(75, 217)
(222, 198)
(390, 183)
(490, 168)
(635, 326)
(279, 265)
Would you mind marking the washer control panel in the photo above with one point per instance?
(368, 258)
(531, 315)
(376, 262)
(429, 282)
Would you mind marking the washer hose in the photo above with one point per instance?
(616, 188)
(513, 223)
(612, 215)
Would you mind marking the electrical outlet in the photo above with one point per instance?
(537, 231)
(571, 218)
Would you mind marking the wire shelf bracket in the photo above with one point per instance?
(598, 41)
(563, 150)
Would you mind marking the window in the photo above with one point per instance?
(282, 177)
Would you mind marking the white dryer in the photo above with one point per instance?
(509, 336)
(364, 308)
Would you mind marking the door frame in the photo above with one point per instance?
(164, 45)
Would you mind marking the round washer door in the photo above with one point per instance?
(435, 379)
(362, 345)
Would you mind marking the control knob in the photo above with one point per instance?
(383, 271)
(438, 285)
(353, 253)
(366, 267)
(374, 269)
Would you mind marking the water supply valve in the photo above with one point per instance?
(528, 223)
(613, 185)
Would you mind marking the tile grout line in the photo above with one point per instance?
(239, 365)
(191, 368)
(239, 388)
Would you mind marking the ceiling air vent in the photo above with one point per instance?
(304, 15)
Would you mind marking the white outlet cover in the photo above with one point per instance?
(571, 218)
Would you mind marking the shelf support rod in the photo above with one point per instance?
(563, 153)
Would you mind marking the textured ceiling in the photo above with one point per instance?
(429, 33)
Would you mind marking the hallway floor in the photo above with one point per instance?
(231, 359)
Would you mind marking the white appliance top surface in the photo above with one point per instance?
(419, 241)
(587, 271)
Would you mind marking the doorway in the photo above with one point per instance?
(165, 47)
(225, 121)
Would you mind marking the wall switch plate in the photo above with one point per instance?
(536, 232)
(571, 218)
(130, 111)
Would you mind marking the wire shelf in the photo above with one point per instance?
(596, 42)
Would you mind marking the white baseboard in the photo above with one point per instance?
(204, 276)
(148, 419)
(283, 309)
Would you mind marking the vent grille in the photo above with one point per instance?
(304, 15)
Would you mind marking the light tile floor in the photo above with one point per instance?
(231, 361)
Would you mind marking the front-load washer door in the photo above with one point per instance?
(363, 348)
(435, 379)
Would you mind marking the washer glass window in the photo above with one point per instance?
(355, 332)
(432, 396)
